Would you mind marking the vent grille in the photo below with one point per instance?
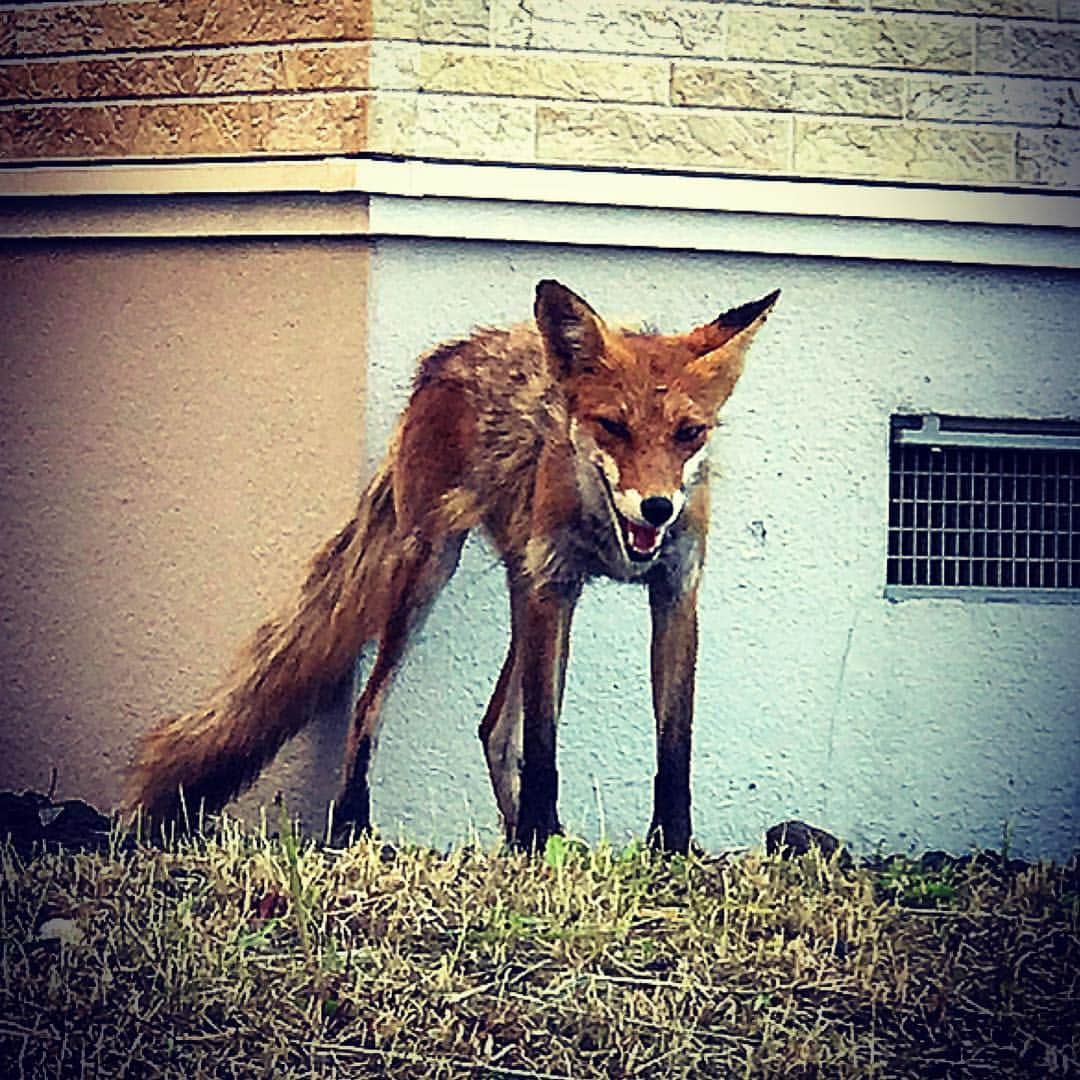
(973, 507)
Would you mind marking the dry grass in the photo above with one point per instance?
(241, 955)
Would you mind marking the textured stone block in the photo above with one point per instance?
(543, 75)
(58, 29)
(395, 65)
(287, 125)
(474, 129)
(1070, 10)
(895, 152)
(907, 42)
(391, 123)
(783, 89)
(1028, 49)
(1049, 157)
(676, 138)
(399, 19)
(188, 74)
(686, 28)
(1023, 9)
(993, 99)
(460, 21)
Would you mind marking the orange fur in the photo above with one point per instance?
(572, 445)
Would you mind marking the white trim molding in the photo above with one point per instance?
(348, 196)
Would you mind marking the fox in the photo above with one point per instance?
(581, 450)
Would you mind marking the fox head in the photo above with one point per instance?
(642, 406)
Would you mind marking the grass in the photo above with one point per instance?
(240, 955)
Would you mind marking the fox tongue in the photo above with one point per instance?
(642, 537)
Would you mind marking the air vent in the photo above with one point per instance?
(984, 509)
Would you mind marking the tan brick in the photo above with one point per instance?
(319, 123)
(739, 87)
(1028, 49)
(1025, 9)
(464, 22)
(543, 75)
(58, 29)
(294, 124)
(188, 74)
(895, 152)
(1049, 157)
(686, 28)
(804, 37)
(994, 99)
(680, 138)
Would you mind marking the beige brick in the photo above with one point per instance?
(473, 129)
(188, 74)
(1049, 157)
(726, 87)
(57, 29)
(464, 22)
(1028, 49)
(1025, 9)
(543, 75)
(663, 137)
(399, 19)
(738, 87)
(391, 124)
(906, 42)
(395, 65)
(286, 125)
(511, 24)
(686, 28)
(895, 152)
(994, 99)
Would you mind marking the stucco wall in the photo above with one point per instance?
(914, 725)
(180, 424)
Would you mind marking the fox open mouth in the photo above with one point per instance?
(642, 541)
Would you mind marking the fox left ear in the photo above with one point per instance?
(573, 333)
(721, 345)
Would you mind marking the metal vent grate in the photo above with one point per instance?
(984, 507)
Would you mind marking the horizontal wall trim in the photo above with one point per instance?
(547, 205)
(270, 214)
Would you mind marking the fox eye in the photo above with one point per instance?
(689, 433)
(615, 428)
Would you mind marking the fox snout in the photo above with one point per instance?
(643, 521)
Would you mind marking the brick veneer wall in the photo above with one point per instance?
(972, 92)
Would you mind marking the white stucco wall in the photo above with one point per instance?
(916, 725)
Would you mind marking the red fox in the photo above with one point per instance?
(580, 450)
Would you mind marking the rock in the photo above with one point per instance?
(797, 838)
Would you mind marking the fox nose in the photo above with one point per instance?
(656, 509)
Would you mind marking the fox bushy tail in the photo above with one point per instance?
(214, 753)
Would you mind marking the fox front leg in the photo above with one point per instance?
(542, 634)
(674, 658)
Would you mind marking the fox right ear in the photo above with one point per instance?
(573, 333)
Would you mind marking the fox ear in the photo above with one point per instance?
(573, 333)
(721, 345)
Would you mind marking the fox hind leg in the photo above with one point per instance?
(416, 583)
